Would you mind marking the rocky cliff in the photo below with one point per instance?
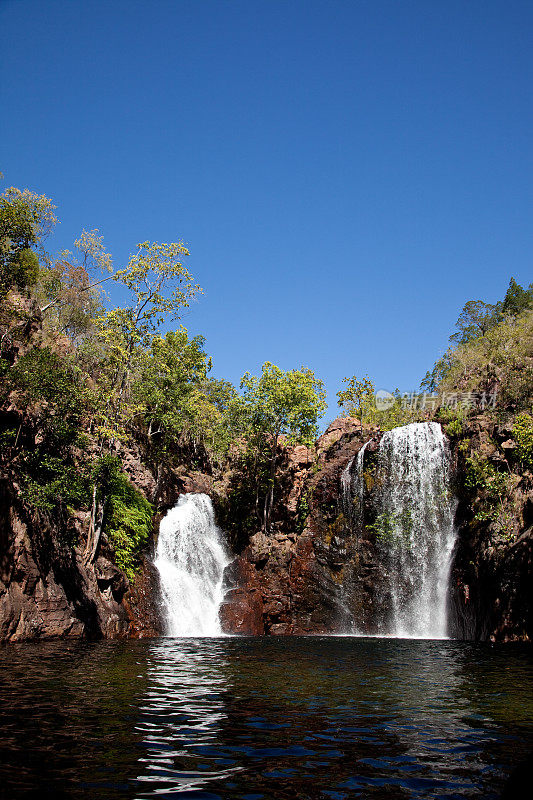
(491, 583)
(315, 572)
(319, 569)
(310, 574)
(47, 589)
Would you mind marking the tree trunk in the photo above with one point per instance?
(98, 531)
(90, 532)
(95, 528)
(269, 499)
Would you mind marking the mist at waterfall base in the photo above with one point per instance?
(191, 557)
(414, 513)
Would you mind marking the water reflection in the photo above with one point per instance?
(331, 718)
(182, 716)
(263, 718)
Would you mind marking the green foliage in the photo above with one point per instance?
(128, 516)
(282, 402)
(52, 473)
(464, 446)
(517, 299)
(304, 508)
(16, 237)
(51, 482)
(455, 427)
(71, 289)
(475, 320)
(493, 347)
(400, 413)
(178, 401)
(481, 476)
(277, 403)
(393, 530)
(160, 286)
(25, 269)
(41, 378)
(25, 220)
(442, 367)
(42, 374)
(523, 435)
(358, 399)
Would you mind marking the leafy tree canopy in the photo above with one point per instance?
(25, 220)
(358, 399)
(517, 299)
(284, 402)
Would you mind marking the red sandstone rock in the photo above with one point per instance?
(242, 609)
(301, 456)
(338, 428)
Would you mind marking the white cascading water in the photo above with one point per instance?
(353, 487)
(191, 558)
(416, 516)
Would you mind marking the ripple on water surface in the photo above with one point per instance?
(264, 718)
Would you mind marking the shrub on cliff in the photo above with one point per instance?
(128, 523)
(523, 435)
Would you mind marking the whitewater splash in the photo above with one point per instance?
(191, 558)
(416, 522)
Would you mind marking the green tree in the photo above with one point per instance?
(71, 286)
(44, 444)
(25, 220)
(160, 287)
(475, 320)
(178, 402)
(433, 379)
(523, 434)
(517, 299)
(277, 403)
(358, 399)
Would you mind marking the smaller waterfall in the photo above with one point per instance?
(353, 486)
(416, 527)
(191, 558)
(346, 481)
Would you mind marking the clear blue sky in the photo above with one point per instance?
(346, 174)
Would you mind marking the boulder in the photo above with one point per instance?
(339, 427)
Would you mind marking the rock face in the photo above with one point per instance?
(491, 583)
(318, 570)
(142, 603)
(242, 610)
(301, 569)
(315, 572)
(47, 590)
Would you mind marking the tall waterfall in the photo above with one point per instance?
(416, 527)
(191, 558)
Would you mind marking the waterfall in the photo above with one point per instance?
(191, 558)
(353, 486)
(415, 527)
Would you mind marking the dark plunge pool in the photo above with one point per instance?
(253, 718)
